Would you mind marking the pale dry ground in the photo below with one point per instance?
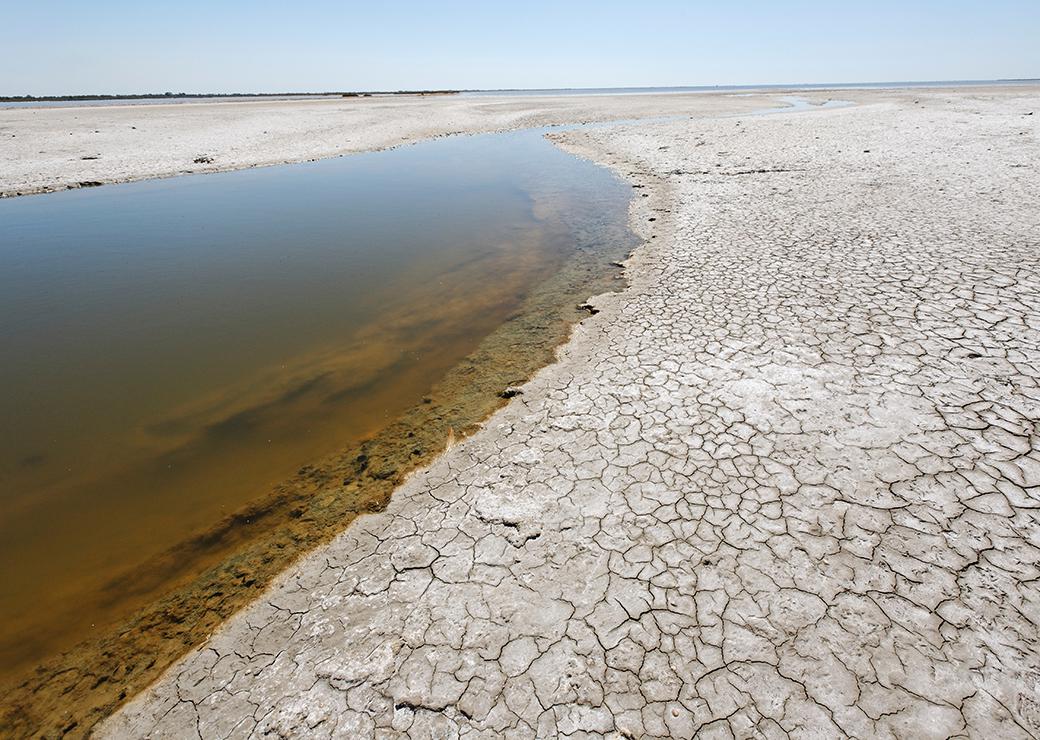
(45, 149)
(786, 484)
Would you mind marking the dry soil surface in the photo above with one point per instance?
(786, 484)
(46, 149)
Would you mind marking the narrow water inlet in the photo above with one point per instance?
(174, 349)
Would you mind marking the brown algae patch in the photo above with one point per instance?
(204, 580)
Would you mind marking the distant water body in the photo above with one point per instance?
(743, 88)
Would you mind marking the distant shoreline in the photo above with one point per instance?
(515, 90)
(766, 87)
(194, 96)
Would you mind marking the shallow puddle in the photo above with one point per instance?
(173, 349)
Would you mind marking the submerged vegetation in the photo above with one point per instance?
(222, 569)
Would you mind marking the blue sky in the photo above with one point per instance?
(64, 46)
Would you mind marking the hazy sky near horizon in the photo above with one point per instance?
(121, 46)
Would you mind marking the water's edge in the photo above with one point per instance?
(222, 569)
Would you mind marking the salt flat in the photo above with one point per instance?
(46, 149)
(785, 484)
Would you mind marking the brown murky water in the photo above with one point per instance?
(172, 350)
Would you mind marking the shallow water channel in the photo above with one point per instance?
(172, 349)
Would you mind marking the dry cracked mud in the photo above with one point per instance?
(785, 484)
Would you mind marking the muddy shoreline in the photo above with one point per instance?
(188, 591)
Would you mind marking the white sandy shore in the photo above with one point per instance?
(786, 484)
(45, 149)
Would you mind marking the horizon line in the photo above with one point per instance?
(446, 91)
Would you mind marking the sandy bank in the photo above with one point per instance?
(785, 484)
(45, 149)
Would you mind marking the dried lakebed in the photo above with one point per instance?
(786, 484)
(177, 348)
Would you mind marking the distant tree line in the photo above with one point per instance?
(159, 96)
